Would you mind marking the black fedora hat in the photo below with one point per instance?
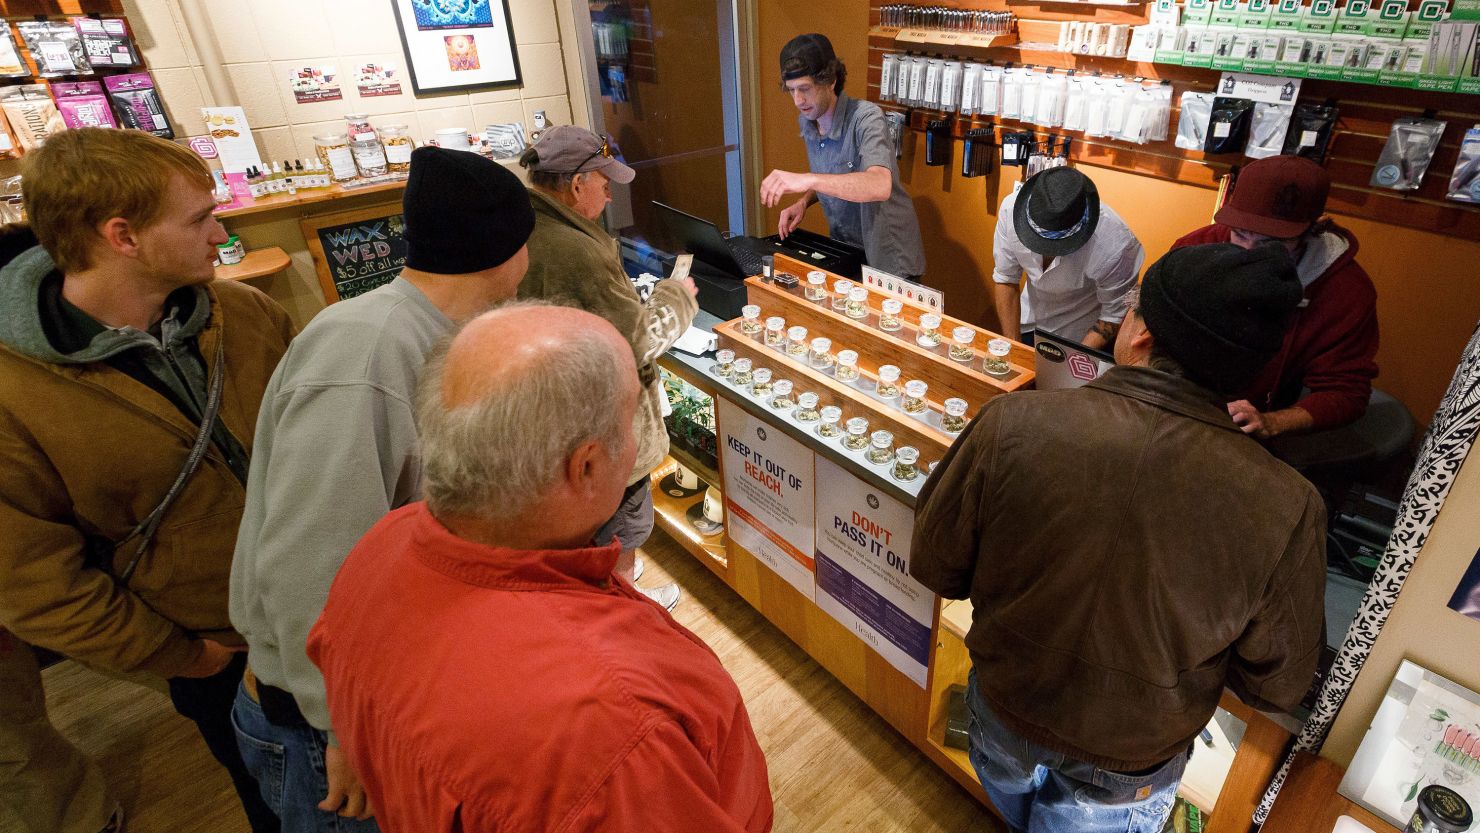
(1056, 212)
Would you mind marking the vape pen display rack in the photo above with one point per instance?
(944, 377)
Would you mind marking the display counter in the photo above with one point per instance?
(816, 536)
(1309, 802)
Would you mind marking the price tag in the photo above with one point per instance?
(1221, 130)
(1308, 138)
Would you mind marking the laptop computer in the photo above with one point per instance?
(738, 257)
(1065, 363)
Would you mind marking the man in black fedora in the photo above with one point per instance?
(1078, 256)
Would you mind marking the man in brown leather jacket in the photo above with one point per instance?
(114, 341)
(1129, 552)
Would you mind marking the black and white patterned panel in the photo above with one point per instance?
(1448, 441)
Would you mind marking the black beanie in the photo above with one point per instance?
(1220, 310)
(463, 213)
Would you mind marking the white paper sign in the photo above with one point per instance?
(863, 570)
(232, 135)
(1266, 88)
(768, 495)
(881, 281)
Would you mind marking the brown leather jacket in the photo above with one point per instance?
(1128, 552)
(86, 450)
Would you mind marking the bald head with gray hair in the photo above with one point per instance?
(522, 397)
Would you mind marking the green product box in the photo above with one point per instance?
(1199, 12)
(1286, 16)
(1256, 15)
(1198, 50)
(1225, 50)
(1465, 10)
(1468, 85)
(1289, 61)
(1437, 83)
(1170, 50)
(1320, 64)
(1263, 52)
(1320, 17)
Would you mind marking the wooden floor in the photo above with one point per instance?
(834, 765)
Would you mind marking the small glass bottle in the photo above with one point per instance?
(929, 335)
(775, 331)
(889, 320)
(796, 341)
(881, 448)
(781, 395)
(807, 408)
(821, 352)
(961, 339)
(750, 319)
(914, 397)
(857, 302)
(841, 288)
(724, 363)
(816, 289)
(847, 369)
(888, 381)
(828, 427)
(904, 463)
(954, 422)
(761, 384)
(996, 361)
(742, 375)
(857, 436)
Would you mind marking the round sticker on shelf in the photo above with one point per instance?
(1388, 175)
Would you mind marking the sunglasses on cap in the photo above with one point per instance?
(605, 150)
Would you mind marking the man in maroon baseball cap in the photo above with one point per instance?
(1322, 377)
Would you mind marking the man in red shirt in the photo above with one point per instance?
(485, 668)
(1322, 376)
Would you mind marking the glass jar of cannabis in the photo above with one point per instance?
(781, 396)
(914, 397)
(841, 288)
(724, 363)
(857, 303)
(857, 437)
(828, 427)
(761, 386)
(904, 463)
(398, 147)
(881, 447)
(807, 408)
(796, 341)
(750, 319)
(888, 381)
(742, 375)
(961, 339)
(816, 289)
(775, 331)
(889, 319)
(821, 352)
(954, 422)
(996, 361)
(847, 369)
(929, 334)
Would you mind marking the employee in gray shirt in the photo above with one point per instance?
(853, 173)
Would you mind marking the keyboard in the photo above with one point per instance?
(748, 259)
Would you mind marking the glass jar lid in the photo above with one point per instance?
(893, 306)
(356, 117)
(881, 439)
(742, 365)
(817, 278)
(725, 356)
(915, 388)
(750, 311)
(807, 400)
(999, 347)
(821, 344)
(762, 376)
(830, 413)
(775, 322)
(907, 454)
(841, 286)
(858, 426)
(888, 373)
(858, 293)
(955, 407)
(963, 335)
(930, 321)
(847, 358)
(332, 139)
(797, 334)
(782, 387)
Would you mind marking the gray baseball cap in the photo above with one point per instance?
(568, 149)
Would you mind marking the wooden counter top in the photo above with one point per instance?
(310, 197)
(1309, 802)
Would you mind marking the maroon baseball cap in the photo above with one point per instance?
(1280, 196)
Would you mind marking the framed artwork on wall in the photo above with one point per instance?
(457, 45)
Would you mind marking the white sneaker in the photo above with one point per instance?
(637, 565)
(667, 595)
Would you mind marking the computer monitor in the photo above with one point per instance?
(1065, 363)
(699, 237)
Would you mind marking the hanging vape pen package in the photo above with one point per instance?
(1012, 93)
(1015, 149)
(933, 72)
(917, 81)
(1075, 100)
(1120, 102)
(1310, 131)
(1228, 127)
(1052, 89)
(938, 142)
(1134, 127)
(902, 79)
(950, 86)
(886, 77)
(990, 101)
(1267, 130)
(1097, 108)
(977, 148)
(1406, 156)
(1192, 124)
(1464, 185)
(894, 123)
(1029, 82)
(971, 88)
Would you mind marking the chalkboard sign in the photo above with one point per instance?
(356, 251)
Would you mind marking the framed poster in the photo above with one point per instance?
(457, 45)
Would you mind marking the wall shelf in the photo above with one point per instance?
(259, 263)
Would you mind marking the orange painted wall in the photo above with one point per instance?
(1428, 285)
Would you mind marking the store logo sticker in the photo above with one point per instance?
(760, 432)
(1050, 351)
(204, 147)
(1083, 367)
(873, 502)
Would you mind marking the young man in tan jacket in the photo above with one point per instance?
(573, 260)
(116, 346)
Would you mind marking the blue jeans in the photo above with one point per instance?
(1041, 791)
(288, 762)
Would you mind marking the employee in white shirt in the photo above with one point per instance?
(1079, 257)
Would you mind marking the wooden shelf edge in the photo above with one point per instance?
(284, 201)
(670, 515)
(258, 263)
